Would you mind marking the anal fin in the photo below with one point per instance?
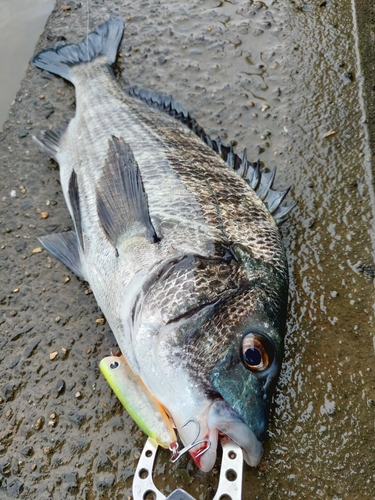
(49, 144)
(120, 196)
(65, 247)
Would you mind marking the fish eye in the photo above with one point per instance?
(257, 352)
(114, 365)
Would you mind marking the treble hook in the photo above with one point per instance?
(174, 447)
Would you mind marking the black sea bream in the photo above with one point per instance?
(183, 257)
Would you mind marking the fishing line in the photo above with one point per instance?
(87, 30)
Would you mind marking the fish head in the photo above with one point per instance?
(222, 365)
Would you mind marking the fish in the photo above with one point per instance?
(178, 237)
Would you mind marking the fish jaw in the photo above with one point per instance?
(217, 420)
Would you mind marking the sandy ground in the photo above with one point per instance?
(282, 79)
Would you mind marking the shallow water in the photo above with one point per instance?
(282, 79)
(21, 22)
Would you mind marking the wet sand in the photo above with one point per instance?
(283, 80)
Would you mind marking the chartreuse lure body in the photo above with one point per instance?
(138, 401)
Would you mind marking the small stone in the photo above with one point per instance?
(328, 134)
(53, 355)
(66, 7)
(263, 137)
(33, 467)
(60, 386)
(251, 104)
(64, 350)
(52, 423)
(39, 423)
(53, 415)
(47, 450)
(67, 279)
(23, 190)
(88, 351)
(77, 394)
(100, 321)
(8, 391)
(13, 193)
(57, 319)
(265, 107)
(27, 451)
(16, 290)
(37, 250)
(41, 96)
(44, 215)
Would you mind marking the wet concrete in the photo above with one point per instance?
(21, 22)
(282, 79)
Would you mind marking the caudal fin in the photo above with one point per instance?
(103, 41)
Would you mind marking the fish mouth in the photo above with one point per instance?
(218, 420)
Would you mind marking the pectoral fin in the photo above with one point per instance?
(121, 199)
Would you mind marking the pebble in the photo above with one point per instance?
(47, 450)
(8, 392)
(39, 423)
(44, 215)
(64, 350)
(328, 134)
(67, 279)
(37, 250)
(100, 321)
(53, 415)
(53, 355)
(77, 395)
(60, 386)
(57, 319)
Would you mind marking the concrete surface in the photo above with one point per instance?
(282, 79)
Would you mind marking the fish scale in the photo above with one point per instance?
(183, 257)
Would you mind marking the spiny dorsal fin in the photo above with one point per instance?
(260, 181)
(120, 196)
(65, 247)
(76, 206)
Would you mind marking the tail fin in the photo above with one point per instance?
(103, 41)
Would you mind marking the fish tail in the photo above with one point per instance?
(103, 41)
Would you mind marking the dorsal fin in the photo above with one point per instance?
(120, 196)
(260, 181)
